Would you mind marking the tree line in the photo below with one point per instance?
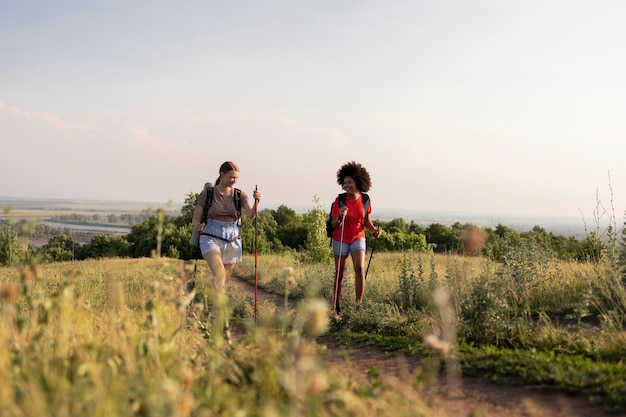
(111, 219)
(283, 230)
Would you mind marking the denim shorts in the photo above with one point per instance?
(230, 243)
(346, 248)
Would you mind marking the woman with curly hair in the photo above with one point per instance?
(349, 220)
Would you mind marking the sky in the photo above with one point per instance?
(497, 107)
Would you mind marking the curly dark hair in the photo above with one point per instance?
(358, 173)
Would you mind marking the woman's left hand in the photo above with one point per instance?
(256, 194)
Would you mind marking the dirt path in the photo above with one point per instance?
(466, 396)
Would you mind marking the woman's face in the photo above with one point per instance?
(349, 186)
(230, 178)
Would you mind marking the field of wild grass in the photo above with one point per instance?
(117, 337)
(530, 320)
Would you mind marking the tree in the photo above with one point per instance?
(397, 225)
(442, 237)
(290, 230)
(12, 251)
(317, 245)
(104, 246)
(266, 233)
(189, 206)
(147, 238)
(59, 248)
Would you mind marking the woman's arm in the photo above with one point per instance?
(370, 226)
(251, 206)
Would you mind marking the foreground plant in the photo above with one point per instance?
(103, 338)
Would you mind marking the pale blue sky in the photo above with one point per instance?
(487, 106)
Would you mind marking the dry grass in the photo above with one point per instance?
(114, 337)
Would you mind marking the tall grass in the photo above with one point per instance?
(531, 302)
(118, 338)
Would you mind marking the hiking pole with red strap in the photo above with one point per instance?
(372, 254)
(342, 218)
(256, 253)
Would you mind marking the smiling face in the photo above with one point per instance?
(229, 178)
(349, 186)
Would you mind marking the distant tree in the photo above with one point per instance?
(416, 228)
(397, 225)
(187, 210)
(266, 227)
(143, 237)
(401, 241)
(290, 230)
(59, 248)
(104, 246)
(444, 238)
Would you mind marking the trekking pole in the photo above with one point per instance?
(256, 253)
(371, 254)
(338, 263)
(192, 285)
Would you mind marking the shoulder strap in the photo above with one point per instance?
(364, 197)
(342, 200)
(209, 201)
(207, 204)
(366, 203)
(237, 197)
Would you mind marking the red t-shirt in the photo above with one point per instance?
(354, 223)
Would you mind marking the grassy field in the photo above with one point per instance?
(115, 337)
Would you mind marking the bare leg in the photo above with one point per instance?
(221, 274)
(358, 260)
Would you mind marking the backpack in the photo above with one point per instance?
(342, 202)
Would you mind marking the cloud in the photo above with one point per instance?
(13, 113)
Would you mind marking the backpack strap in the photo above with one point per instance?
(209, 201)
(364, 197)
(207, 204)
(237, 197)
(366, 203)
(342, 200)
